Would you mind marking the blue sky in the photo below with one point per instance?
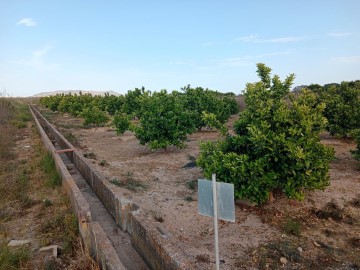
(120, 45)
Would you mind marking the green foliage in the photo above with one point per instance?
(276, 143)
(75, 104)
(210, 120)
(121, 122)
(200, 100)
(356, 136)
(51, 102)
(132, 102)
(164, 121)
(292, 227)
(342, 106)
(52, 176)
(93, 115)
(13, 258)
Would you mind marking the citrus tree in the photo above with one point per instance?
(164, 121)
(200, 100)
(93, 115)
(342, 106)
(121, 122)
(276, 143)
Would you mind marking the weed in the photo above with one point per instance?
(47, 202)
(102, 162)
(191, 164)
(6, 109)
(158, 216)
(71, 138)
(62, 227)
(355, 202)
(90, 155)
(192, 184)
(48, 166)
(13, 258)
(292, 227)
(84, 260)
(330, 210)
(22, 181)
(6, 142)
(329, 233)
(128, 183)
(354, 242)
(49, 265)
(189, 198)
(271, 253)
(25, 200)
(19, 124)
(204, 258)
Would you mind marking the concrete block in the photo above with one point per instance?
(51, 251)
(19, 243)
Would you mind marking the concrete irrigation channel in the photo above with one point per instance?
(113, 228)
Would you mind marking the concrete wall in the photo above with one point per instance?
(94, 238)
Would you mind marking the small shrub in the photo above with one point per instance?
(93, 115)
(121, 122)
(292, 227)
(189, 198)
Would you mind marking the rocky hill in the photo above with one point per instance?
(94, 93)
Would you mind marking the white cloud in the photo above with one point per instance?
(37, 59)
(247, 38)
(29, 22)
(355, 59)
(280, 40)
(340, 34)
(256, 39)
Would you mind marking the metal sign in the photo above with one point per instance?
(216, 200)
(225, 200)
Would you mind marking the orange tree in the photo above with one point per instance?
(276, 143)
(164, 121)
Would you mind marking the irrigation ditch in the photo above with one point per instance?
(113, 228)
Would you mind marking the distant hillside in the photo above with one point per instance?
(94, 93)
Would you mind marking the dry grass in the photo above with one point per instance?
(28, 182)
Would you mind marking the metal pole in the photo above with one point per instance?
(214, 188)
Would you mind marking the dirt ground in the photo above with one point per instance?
(321, 232)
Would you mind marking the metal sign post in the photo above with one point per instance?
(216, 229)
(216, 199)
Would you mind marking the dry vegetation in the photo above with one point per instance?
(33, 206)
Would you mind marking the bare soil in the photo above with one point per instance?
(321, 232)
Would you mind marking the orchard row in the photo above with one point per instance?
(164, 118)
(274, 145)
